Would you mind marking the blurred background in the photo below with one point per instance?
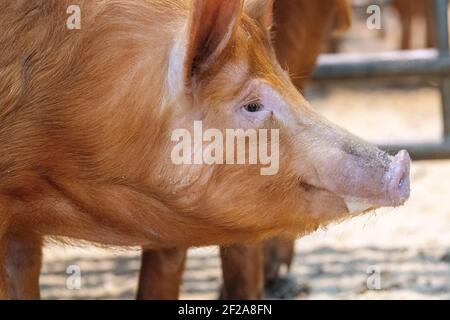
(401, 253)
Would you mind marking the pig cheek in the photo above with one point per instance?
(322, 205)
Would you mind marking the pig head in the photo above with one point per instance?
(87, 118)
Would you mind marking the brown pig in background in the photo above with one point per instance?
(86, 118)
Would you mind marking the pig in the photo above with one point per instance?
(299, 31)
(86, 122)
(410, 9)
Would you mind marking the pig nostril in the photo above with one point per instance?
(399, 185)
(402, 177)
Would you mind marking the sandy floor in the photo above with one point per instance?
(404, 253)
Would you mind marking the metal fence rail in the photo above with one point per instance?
(419, 63)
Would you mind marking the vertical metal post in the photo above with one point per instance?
(442, 36)
(441, 9)
(445, 92)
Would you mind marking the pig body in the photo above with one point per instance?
(408, 10)
(86, 119)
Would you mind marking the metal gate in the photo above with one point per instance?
(428, 63)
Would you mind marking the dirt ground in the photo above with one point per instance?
(401, 253)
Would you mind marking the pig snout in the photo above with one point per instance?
(362, 175)
(390, 189)
(399, 185)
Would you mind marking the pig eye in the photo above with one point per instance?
(253, 107)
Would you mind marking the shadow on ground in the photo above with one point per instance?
(324, 273)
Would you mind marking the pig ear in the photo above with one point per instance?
(261, 11)
(212, 25)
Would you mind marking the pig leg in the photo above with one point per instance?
(242, 267)
(405, 14)
(277, 252)
(249, 269)
(161, 273)
(4, 292)
(20, 266)
(430, 21)
(406, 33)
(280, 252)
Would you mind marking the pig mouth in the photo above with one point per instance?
(308, 187)
(353, 205)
